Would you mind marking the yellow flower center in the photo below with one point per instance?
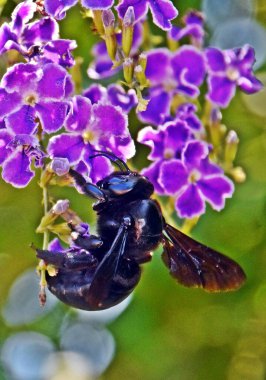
(169, 153)
(31, 99)
(232, 73)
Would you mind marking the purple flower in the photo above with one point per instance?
(181, 168)
(114, 94)
(194, 180)
(193, 29)
(179, 73)
(16, 154)
(229, 69)
(58, 8)
(163, 11)
(31, 91)
(166, 143)
(38, 40)
(100, 126)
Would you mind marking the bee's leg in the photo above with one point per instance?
(87, 188)
(75, 260)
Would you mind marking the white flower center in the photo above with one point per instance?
(232, 73)
(169, 153)
(194, 176)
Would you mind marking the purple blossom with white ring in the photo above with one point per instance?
(228, 70)
(90, 127)
(169, 73)
(163, 11)
(166, 143)
(38, 40)
(16, 154)
(30, 91)
(58, 8)
(194, 180)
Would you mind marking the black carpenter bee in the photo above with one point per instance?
(130, 226)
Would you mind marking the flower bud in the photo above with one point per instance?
(128, 70)
(142, 61)
(140, 76)
(108, 19)
(60, 166)
(238, 174)
(98, 22)
(60, 207)
(231, 145)
(127, 30)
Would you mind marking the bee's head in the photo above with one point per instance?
(124, 183)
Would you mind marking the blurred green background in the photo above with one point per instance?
(168, 331)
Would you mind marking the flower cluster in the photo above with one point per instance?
(178, 90)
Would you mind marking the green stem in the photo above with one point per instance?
(42, 265)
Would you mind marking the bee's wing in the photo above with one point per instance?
(194, 265)
(107, 269)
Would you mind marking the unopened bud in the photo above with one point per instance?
(142, 61)
(238, 174)
(61, 206)
(231, 145)
(108, 19)
(140, 76)
(127, 30)
(128, 70)
(98, 22)
(60, 166)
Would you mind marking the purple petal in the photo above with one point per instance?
(249, 84)
(6, 35)
(22, 78)
(101, 68)
(154, 139)
(216, 60)
(52, 115)
(190, 203)
(158, 64)
(189, 70)
(5, 138)
(176, 135)
(43, 30)
(157, 109)
(67, 146)
(52, 84)
(193, 153)
(59, 52)
(22, 121)
(80, 114)
(22, 14)
(16, 169)
(9, 102)
(208, 168)
(119, 97)
(55, 246)
(221, 90)
(58, 8)
(215, 190)
(172, 176)
(97, 4)
(109, 120)
(140, 8)
(95, 93)
(162, 12)
(152, 173)
(96, 168)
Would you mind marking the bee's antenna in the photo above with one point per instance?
(113, 158)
